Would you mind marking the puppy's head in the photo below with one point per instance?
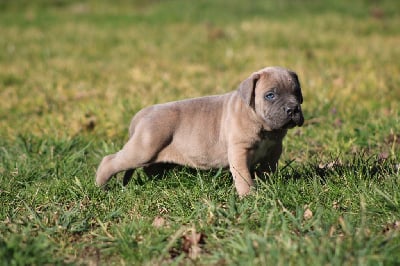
(274, 93)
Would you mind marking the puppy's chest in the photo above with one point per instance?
(262, 149)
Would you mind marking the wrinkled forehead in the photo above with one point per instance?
(279, 77)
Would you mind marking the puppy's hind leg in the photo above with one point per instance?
(118, 162)
(107, 168)
(140, 150)
(124, 160)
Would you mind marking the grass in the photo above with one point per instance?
(73, 73)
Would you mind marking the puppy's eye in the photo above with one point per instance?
(269, 96)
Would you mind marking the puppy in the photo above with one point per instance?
(242, 130)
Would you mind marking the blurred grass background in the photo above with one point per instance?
(72, 66)
(73, 73)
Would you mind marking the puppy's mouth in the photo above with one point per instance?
(276, 123)
(295, 121)
(289, 125)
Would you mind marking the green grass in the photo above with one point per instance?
(73, 73)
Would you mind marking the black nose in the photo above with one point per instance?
(292, 110)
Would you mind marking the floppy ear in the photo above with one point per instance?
(296, 80)
(247, 89)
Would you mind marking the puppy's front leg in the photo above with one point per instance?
(238, 164)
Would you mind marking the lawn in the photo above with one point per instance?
(73, 73)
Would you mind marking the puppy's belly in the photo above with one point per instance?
(211, 157)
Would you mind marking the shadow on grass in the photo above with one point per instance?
(360, 165)
(163, 171)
